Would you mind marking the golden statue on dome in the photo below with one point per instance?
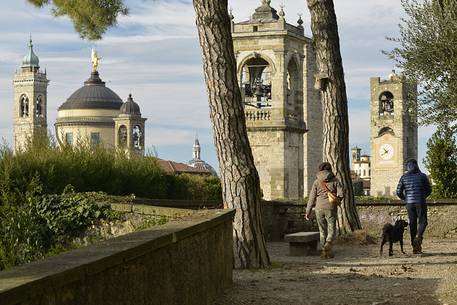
(95, 60)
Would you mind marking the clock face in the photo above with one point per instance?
(386, 151)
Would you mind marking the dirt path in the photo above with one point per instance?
(357, 275)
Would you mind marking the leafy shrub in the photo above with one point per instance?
(97, 169)
(441, 162)
(34, 225)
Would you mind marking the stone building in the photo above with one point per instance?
(393, 131)
(361, 164)
(93, 114)
(276, 66)
(30, 101)
(361, 170)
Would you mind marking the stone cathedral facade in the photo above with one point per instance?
(393, 131)
(276, 66)
(94, 114)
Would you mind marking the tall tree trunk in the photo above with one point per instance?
(239, 177)
(330, 80)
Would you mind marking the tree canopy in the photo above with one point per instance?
(441, 162)
(427, 53)
(91, 18)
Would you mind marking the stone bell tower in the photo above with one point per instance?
(276, 66)
(130, 129)
(30, 102)
(393, 131)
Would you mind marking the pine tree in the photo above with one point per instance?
(330, 81)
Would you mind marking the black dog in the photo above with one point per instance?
(393, 234)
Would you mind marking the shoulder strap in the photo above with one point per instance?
(324, 186)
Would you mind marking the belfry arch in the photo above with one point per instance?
(256, 82)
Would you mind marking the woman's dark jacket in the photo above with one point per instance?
(414, 186)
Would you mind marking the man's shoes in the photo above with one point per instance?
(417, 245)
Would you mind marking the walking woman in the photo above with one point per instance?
(326, 211)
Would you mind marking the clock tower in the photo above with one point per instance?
(393, 131)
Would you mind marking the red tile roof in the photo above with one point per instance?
(181, 168)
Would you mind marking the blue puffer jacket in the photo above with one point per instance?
(414, 186)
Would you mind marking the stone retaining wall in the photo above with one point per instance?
(280, 218)
(442, 218)
(186, 262)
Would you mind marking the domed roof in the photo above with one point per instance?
(30, 59)
(202, 165)
(198, 163)
(93, 95)
(130, 107)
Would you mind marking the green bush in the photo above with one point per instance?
(97, 169)
(34, 225)
(441, 162)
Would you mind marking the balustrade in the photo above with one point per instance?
(258, 115)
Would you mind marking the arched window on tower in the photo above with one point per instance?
(23, 106)
(292, 82)
(385, 130)
(255, 83)
(137, 137)
(386, 103)
(122, 136)
(39, 107)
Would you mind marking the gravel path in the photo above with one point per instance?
(357, 275)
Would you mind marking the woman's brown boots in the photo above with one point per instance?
(327, 251)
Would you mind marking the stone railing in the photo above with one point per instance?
(185, 262)
(258, 115)
(182, 204)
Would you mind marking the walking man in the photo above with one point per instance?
(414, 188)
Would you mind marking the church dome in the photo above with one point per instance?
(198, 163)
(30, 59)
(202, 165)
(130, 107)
(93, 95)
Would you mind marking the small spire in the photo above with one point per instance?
(300, 20)
(392, 75)
(196, 149)
(30, 60)
(231, 13)
(281, 11)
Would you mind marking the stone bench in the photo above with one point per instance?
(302, 243)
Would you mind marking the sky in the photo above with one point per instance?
(154, 54)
